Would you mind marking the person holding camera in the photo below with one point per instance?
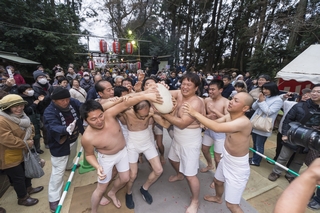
(289, 100)
(285, 152)
(298, 113)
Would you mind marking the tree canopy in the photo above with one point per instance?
(41, 30)
(260, 36)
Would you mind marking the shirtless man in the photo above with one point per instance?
(102, 126)
(233, 169)
(139, 123)
(216, 107)
(185, 149)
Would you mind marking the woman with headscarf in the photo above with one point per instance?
(16, 131)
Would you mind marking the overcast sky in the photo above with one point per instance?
(96, 26)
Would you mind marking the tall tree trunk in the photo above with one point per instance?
(261, 24)
(297, 24)
(186, 44)
(213, 36)
(269, 23)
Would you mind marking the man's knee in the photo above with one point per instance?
(191, 178)
(158, 171)
(133, 175)
(232, 207)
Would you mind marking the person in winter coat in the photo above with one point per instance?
(16, 133)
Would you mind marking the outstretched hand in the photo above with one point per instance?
(188, 109)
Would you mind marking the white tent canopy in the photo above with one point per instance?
(305, 67)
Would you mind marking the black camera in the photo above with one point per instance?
(299, 134)
(305, 134)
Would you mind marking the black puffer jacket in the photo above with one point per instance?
(44, 90)
(297, 114)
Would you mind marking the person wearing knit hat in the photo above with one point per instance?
(60, 93)
(16, 134)
(38, 73)
(63, 123)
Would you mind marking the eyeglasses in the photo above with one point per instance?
(315, 91)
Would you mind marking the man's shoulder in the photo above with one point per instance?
(245, 123)
(208, 100)
(230, 86)
(223, 100)
(50, 109)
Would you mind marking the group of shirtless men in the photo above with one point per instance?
(119, 130)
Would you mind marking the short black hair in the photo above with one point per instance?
(71, 82)
(240, 84)
(62, 79)
(89, 106)
(23, 87)
(272, 87)
(227, 76)
(217, 82)
(127, 79)
(316, 85)
(145, 80)
(118, 90)
(193, 77)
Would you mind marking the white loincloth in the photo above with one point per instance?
(234, 172)
(185, 148)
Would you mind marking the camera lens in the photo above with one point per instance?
(304, 136)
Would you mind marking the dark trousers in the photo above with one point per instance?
(36, 143)
(317, 196)
(278, 150)
(19, 182)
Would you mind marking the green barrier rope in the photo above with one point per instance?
(278, 164)
(66, 188)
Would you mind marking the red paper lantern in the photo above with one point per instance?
(103, 46)
(91, 65)
(116, 47)
(138, 65)
(129, 48)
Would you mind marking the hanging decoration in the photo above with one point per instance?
(129, 48)
(91, 65)
(138, 65)
(116, 47)
(103, 46)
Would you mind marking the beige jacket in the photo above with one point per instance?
(11, 143)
